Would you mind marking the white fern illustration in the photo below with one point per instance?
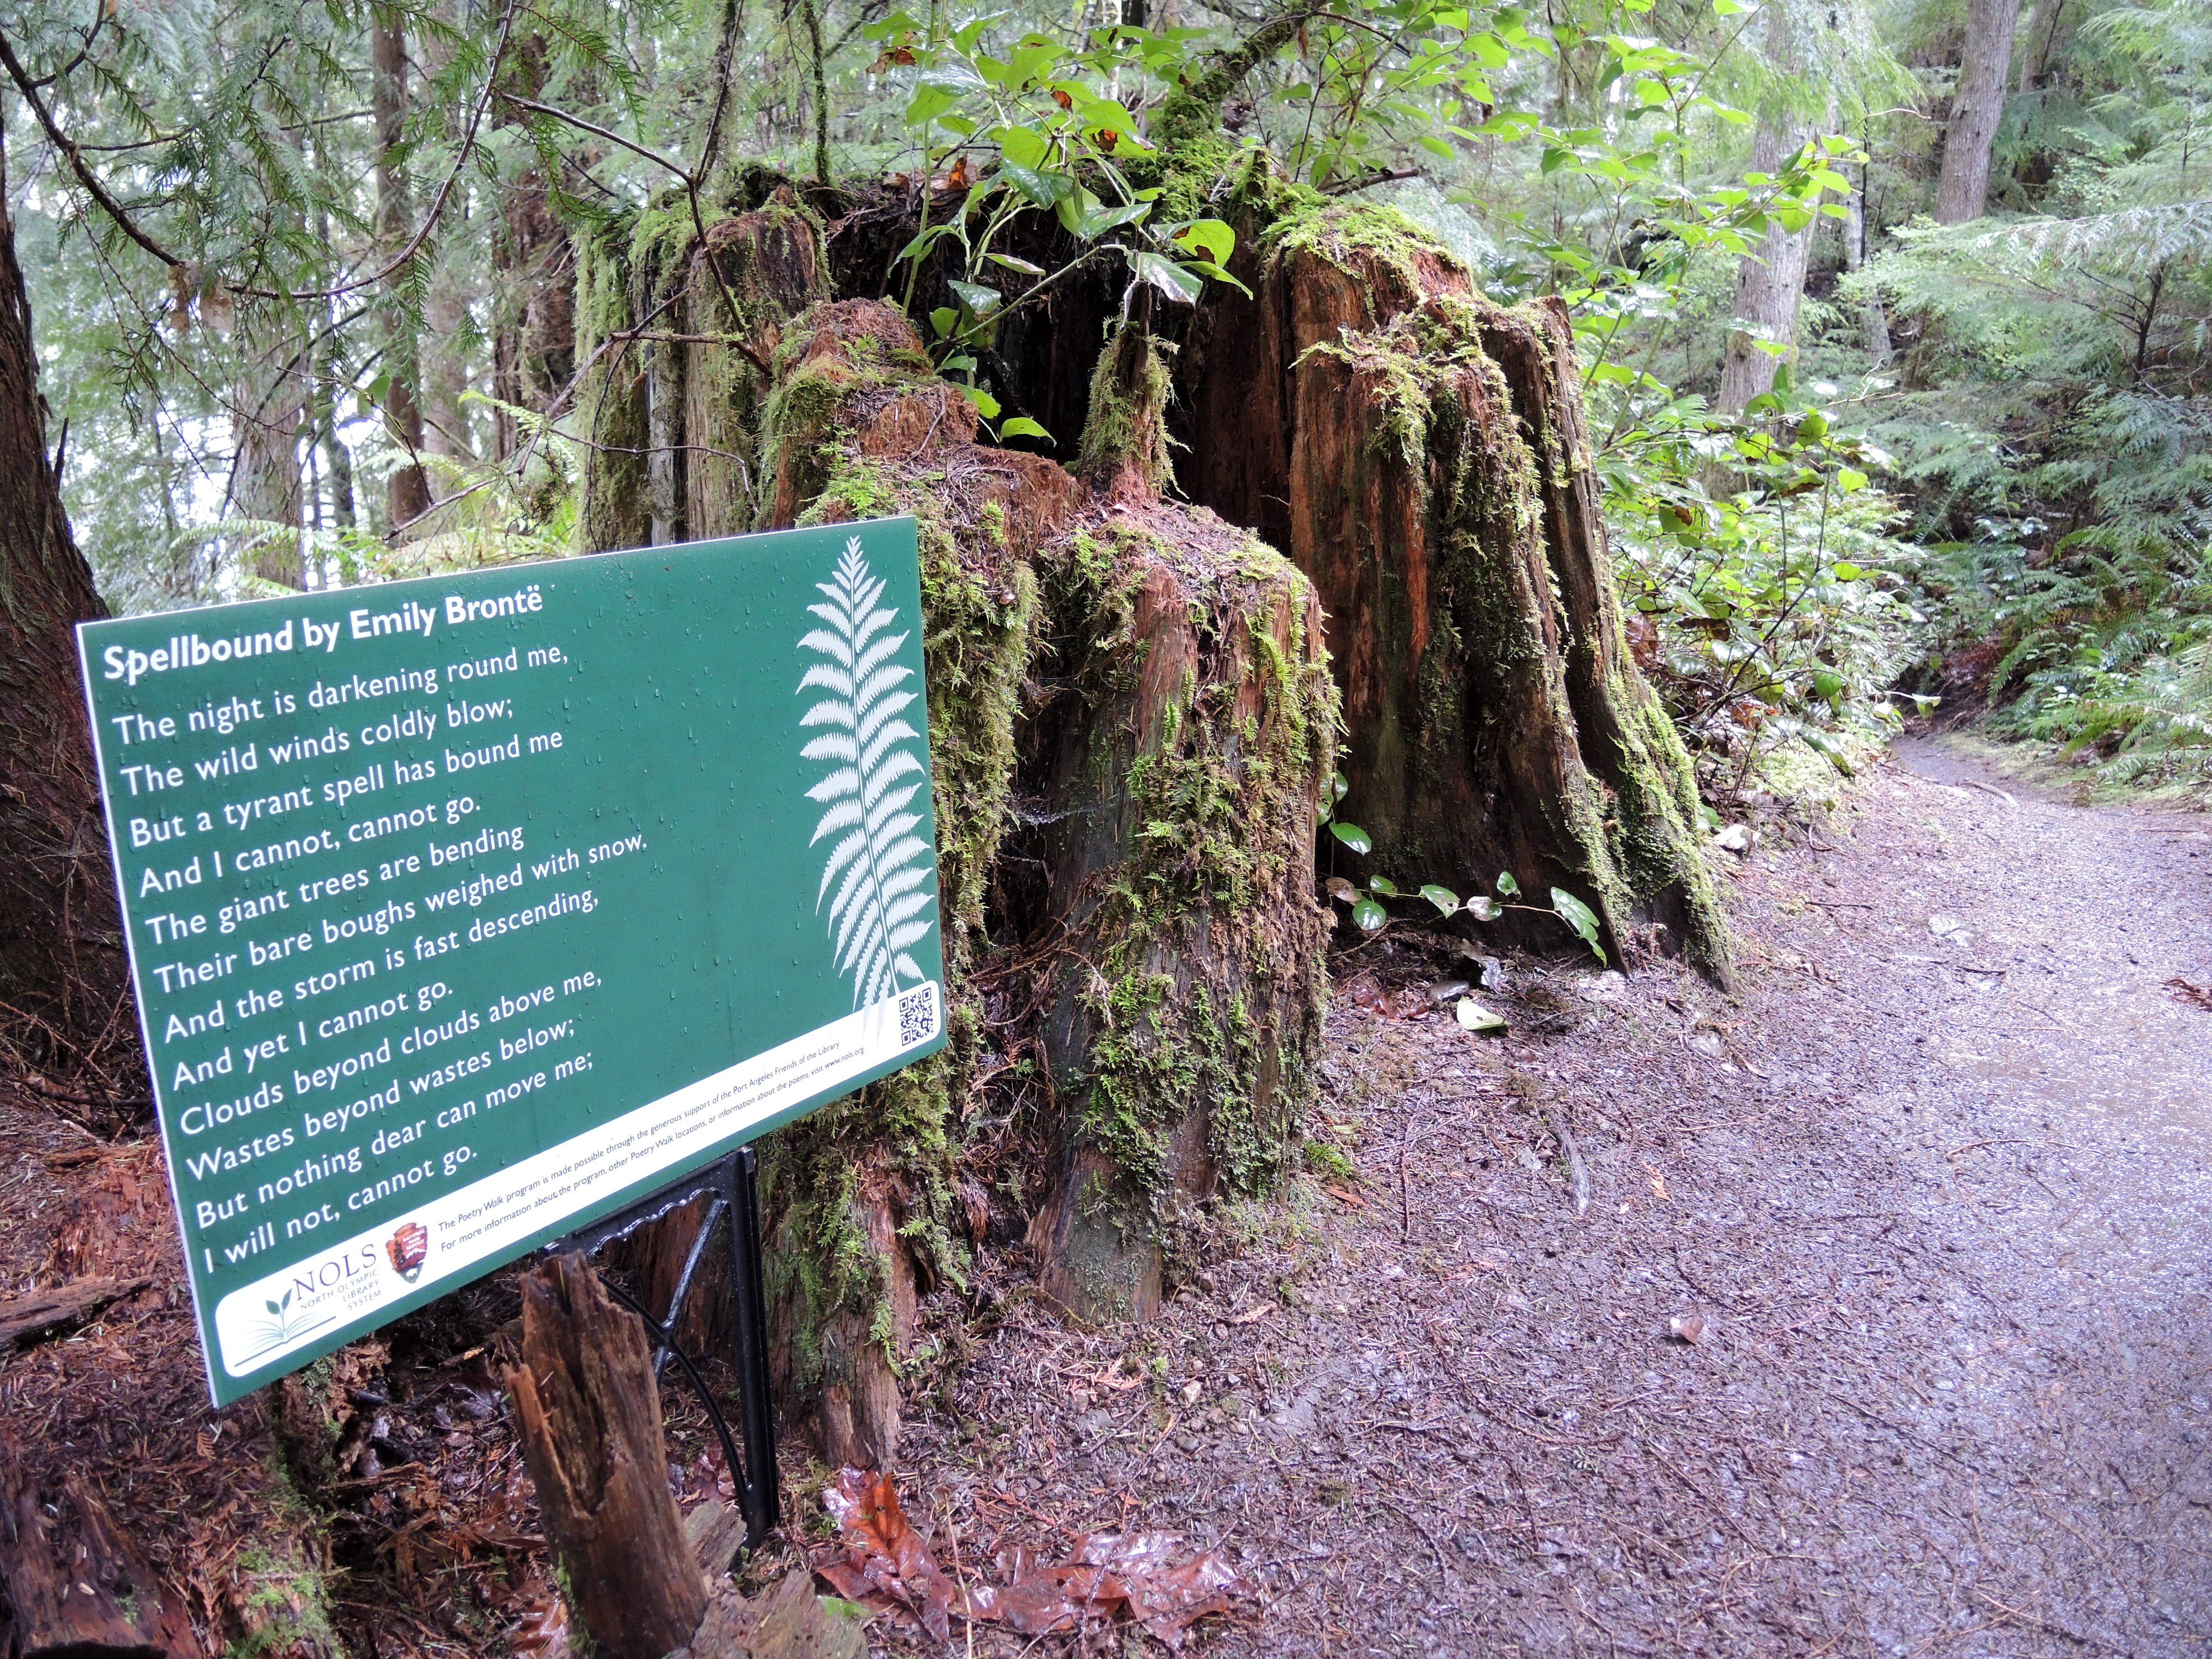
(876, 863)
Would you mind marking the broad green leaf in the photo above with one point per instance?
(1013, 264)
(927, 104)
(978, 299)
(1210, 236)
(1041, 189)
(944, 319)
(1507, 885)
(986, 404)
(1024, 146)
(1578, 916)
(1476, 1018)
(1369, 916)
(1483, 908)
(1383, 886)
(1022, 426)
(1097, 221)
(1169, 278)
(1352, 836)
(1443, 899)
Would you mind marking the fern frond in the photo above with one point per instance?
(877, 867)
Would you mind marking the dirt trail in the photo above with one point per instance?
(1939, 1196)
(1942, 1199)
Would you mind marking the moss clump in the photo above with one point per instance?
(610, 405)
(1125, 433)
(284, 1605)
(1200, 990)
(1357, 238)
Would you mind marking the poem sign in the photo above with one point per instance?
(464, 910)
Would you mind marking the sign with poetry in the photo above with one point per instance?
(464, 910)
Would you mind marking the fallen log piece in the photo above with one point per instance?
(789, 1622)
(24, 1318)
(589, 1413)
(72, 1584)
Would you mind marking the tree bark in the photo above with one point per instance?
(270, 408)
(1977, 108)
(1421, 455)
(407, 492)
(588, 1412)
(1770, 281)
(534, 289)
(61, 950)
(72, 1582)
(1873, 319)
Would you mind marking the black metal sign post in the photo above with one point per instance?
(732, 1183)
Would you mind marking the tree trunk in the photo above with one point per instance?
(407, 492)
(1976, 107)
(271, 402)
(534, 290)
(1770, 281)
(61, 951)
(446, 376)
(1421, 454)
(610, 402)
(2035, 54)
(588, 1413)
(1873, 319)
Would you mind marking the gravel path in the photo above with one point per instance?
(1938, 1195)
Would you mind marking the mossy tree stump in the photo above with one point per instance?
(1421, 454)
(1134, 710)
(1142, 675)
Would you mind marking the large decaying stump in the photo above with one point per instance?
(1148, 675)
(1134, 707)
(588, 1412)
(1420, 453)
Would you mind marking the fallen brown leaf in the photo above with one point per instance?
(2195, 995)
(1133, 1577)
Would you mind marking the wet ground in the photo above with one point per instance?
(1931, 1193)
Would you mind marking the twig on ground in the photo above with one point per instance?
(1578, 1173)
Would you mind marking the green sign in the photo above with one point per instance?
(464, 910)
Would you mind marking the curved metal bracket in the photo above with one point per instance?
(733, 1182)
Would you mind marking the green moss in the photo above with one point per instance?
(286, 1604)
(1211, 895)
(980, 607)
(1355, 237)
(611, 404)
(1126, 426)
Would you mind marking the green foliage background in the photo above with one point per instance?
(2007, 502)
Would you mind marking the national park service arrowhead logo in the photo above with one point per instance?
(409, 1249)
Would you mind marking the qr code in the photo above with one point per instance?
(917, 1016)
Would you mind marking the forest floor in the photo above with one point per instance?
(1941, 1195)
(1929, 1191)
